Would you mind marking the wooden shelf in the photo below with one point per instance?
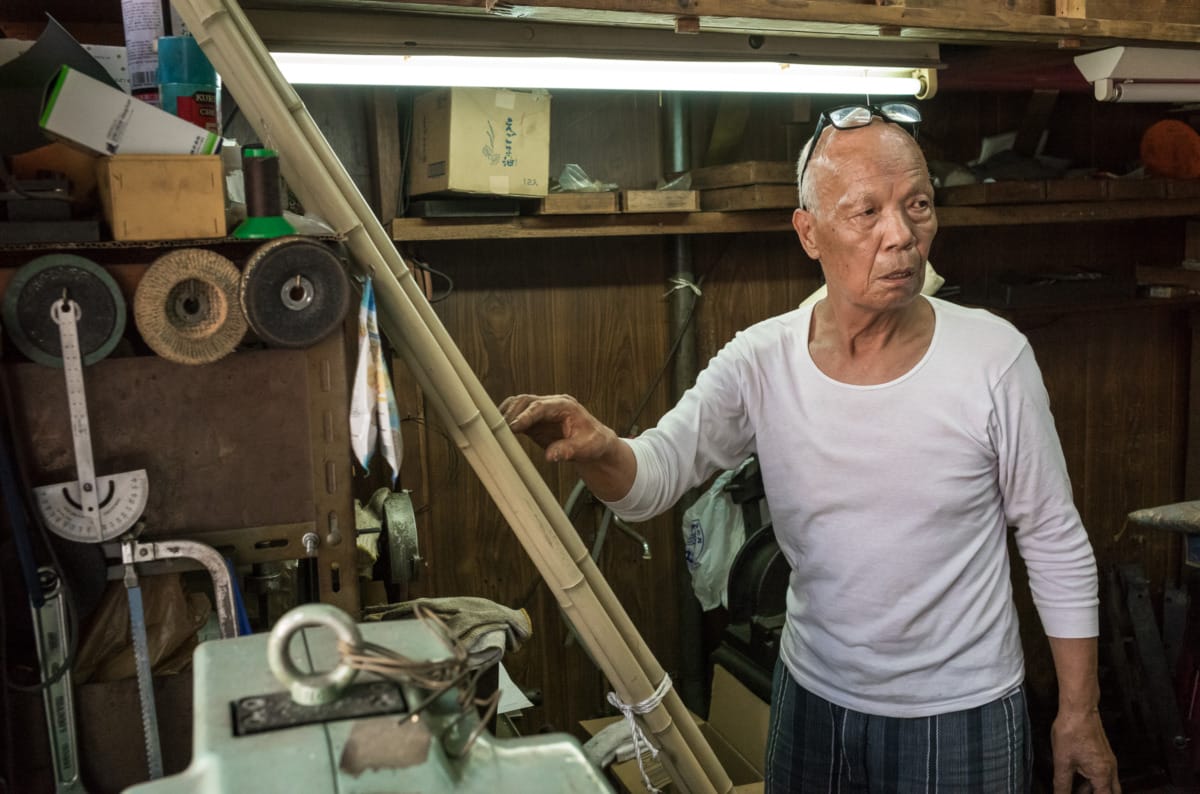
(615, 225)
(1067, 212)
(772, 220)
(1107, 305)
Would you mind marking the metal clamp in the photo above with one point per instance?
(208, 557)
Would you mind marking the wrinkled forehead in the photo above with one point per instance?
(878, 136)
(879, 146)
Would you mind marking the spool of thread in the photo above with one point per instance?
(187, 83)
(264, 210)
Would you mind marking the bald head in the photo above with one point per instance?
(838, 150)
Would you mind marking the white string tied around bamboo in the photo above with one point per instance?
(679, 282)
(635, 730)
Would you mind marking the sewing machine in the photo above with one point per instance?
(281, 713)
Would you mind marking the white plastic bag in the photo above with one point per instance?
(713, 532)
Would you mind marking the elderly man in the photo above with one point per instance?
(899, 436)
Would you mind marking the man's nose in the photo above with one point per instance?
(898, 229)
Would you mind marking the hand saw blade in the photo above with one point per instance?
(141, 655)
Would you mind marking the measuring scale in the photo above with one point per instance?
(92, 508)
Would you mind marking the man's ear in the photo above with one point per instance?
(803, 222)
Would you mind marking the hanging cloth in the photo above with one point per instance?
(374, 417)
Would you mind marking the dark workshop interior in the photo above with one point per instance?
(274, 409)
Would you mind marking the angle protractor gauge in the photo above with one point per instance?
(81, 302)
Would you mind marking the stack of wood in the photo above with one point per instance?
(750, 185)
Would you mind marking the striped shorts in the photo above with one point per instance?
(815, 746)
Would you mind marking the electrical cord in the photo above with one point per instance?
(434, 271)
(670, 357)
(436, 677)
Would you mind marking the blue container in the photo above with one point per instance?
(188, 83)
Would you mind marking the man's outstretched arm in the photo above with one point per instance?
(568, 432)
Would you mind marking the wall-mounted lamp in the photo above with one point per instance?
(603, 73)
(1142, 74)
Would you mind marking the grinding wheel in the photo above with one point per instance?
(186, 306)
(39, 283)
(294, 292)
(758, 578)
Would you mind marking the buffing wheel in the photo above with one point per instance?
(294, 292)
(39, 283)
(186, 306)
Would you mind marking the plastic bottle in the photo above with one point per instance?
(188, 83)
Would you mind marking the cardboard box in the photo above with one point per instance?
(104, 120)
(480, 140)
(162, 196)
(736, 730)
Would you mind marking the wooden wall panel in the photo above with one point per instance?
(582, 317)
(1116, 382)
(613, 136)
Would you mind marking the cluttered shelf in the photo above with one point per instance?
(773, 220)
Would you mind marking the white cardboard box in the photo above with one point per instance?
(480, 140)
(107, 121)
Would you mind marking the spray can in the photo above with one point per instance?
(188, 84)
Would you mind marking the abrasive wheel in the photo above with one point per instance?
(39, 283)
(294, 292)
(186, 306)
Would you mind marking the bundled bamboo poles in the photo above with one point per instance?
(313, 170)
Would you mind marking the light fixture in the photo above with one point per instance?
(1142, 74)
(602, 73)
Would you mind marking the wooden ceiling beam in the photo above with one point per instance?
(963, 21)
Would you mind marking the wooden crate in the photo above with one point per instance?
(1076, 189)
(749, 197)
(579, 203)
(1015, 192)
(750, 172)
(660, 200)
(1137, 188)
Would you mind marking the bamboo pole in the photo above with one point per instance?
(529, 475)
(484, 437)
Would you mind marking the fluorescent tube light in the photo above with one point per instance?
(1133, 91)
(1142, 74)
(599, 73)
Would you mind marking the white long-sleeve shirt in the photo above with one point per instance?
(891, 502)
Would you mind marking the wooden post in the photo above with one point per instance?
(387, 158)
(1072, 9)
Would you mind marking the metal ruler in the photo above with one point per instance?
(92, 508)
